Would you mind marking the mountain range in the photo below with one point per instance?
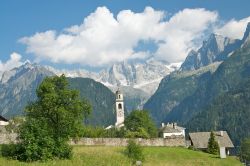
(205, 92)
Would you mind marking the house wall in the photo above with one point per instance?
(172, 134)
(3, 123)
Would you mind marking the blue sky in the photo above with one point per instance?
(25, 18)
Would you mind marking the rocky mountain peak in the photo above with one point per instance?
(215, 48)
(246, 37)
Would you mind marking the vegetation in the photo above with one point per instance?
(134, 151)
(229, 111)
(213, 146)
(100, 132)
(50, 121)
(113, 156)
(174, 89)
(140, 124)
(245, 150)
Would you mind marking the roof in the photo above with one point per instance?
(167, 129)
(118, 91)
(3, 118)
(200, 139)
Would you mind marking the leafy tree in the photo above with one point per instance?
(141, 123)
(50, 121)
(134, 151)
(213, 146)
(141, 133)
(245, 150)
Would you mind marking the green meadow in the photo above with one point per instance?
(114, 156)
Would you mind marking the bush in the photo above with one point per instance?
(134, 151)
(9, 150)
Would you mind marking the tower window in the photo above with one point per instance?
(120, 106)
(119, 96)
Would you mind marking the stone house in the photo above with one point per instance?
(199, 140)
(171, 129)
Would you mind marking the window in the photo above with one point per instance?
(120, 106)
(119, 96)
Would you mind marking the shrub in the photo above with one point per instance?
(134, 151)
(9, 150)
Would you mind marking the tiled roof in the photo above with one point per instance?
(200, 139)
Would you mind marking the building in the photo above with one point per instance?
(119, 107)
(199, 140)
(171, 129)
(3, 121)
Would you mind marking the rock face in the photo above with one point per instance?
(18, 87)
(140, 75)
(216, 48)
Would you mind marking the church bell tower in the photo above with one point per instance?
(119, 107)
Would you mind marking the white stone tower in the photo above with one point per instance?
(119, 107)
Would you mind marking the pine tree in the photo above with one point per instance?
(213, 146)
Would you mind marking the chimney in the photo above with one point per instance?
(174, 125)
(221, 133)
(162, 124)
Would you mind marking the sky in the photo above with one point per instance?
(95, 34)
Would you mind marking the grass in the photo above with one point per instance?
(114, 156)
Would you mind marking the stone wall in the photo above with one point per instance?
(7, 138)
(177, 141)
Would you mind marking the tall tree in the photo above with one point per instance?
(56, 116)
(213, 146)
(245, 150)
(141, 124)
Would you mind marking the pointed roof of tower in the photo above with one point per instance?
(118, 91)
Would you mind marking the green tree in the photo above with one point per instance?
(50, 121)
(245, 150)
(140, 123)
(213, 146)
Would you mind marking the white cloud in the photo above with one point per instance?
(234, 28)
(103, 38)
(14, 61)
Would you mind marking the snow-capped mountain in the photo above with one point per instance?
(141, 75)
(145, 76)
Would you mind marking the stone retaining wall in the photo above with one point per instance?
(177, 141)
(7, 138)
